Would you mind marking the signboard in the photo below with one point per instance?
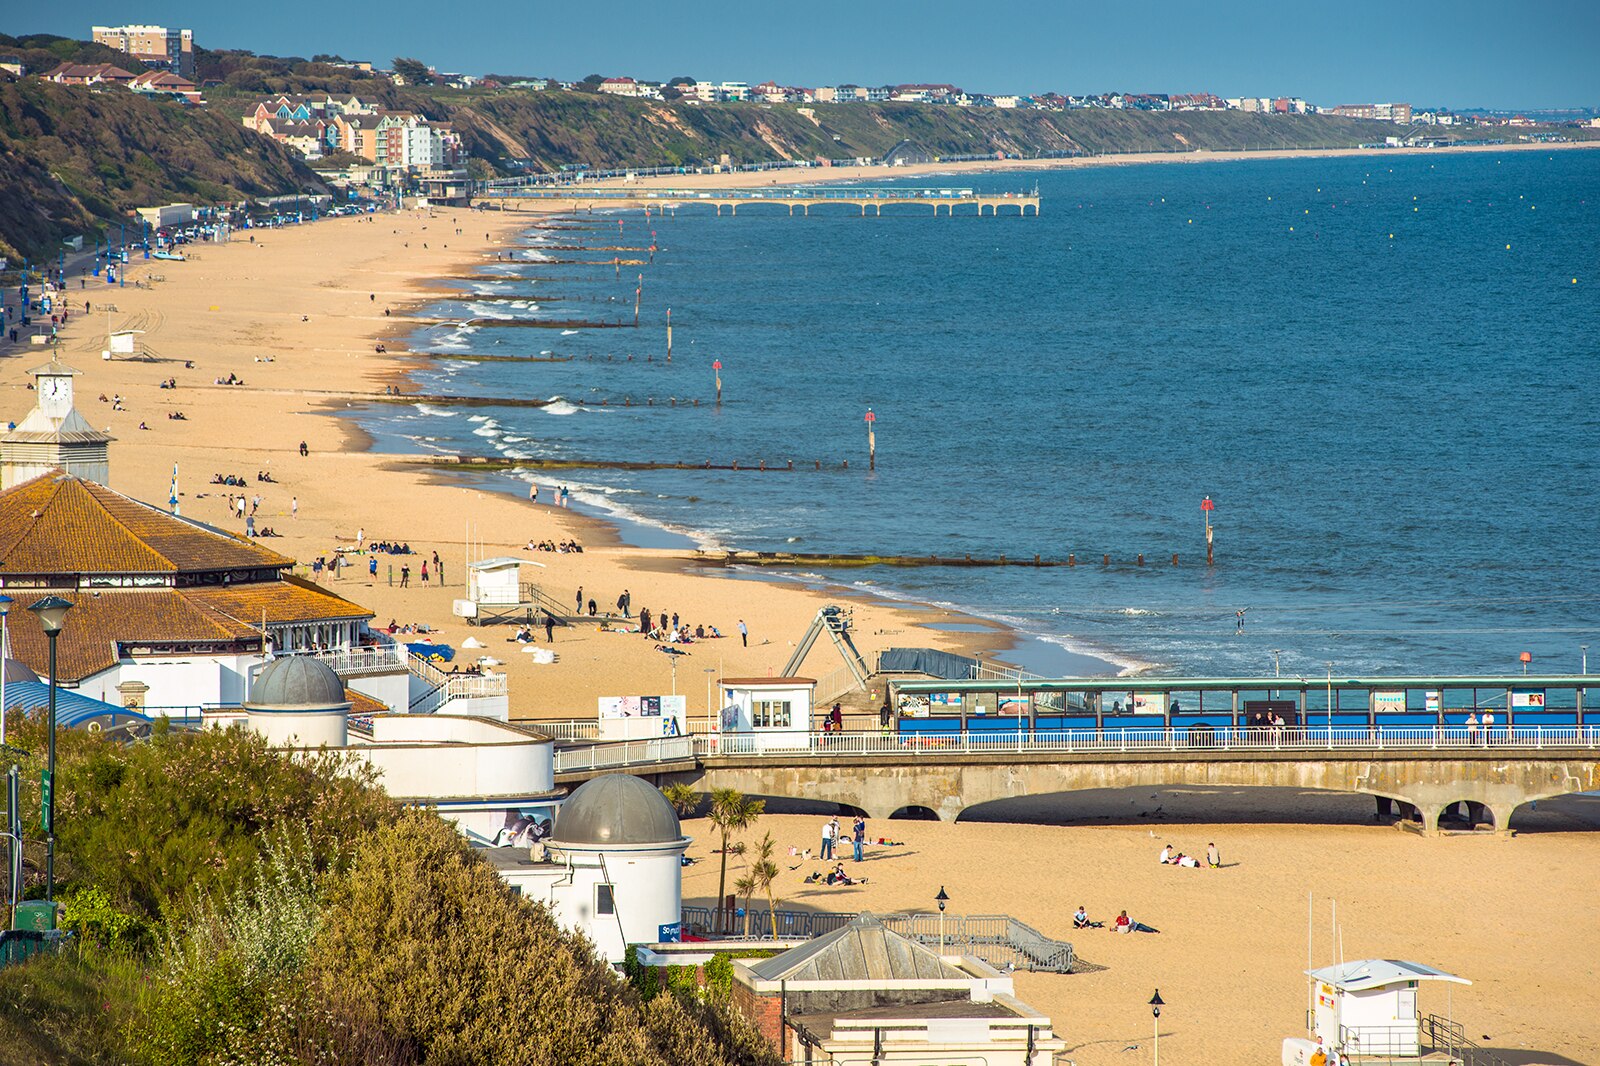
(1389, 701)
(630, 717)
(671, 933)
(1527, 699)
(1014, 704)
(46, 806)
(1431, 702)
(1148, 702)
(914, 706)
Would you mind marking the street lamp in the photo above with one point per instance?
(941, 899)
(1156, 1004)
(52, 614)
(5, 653)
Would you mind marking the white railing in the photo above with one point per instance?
(459, 686)
(350, 662)
(566, 729)
(625, 753)
(779, 746)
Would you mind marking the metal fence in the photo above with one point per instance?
(20, 945)
(998, 939)
(777, 745)
(625, 753)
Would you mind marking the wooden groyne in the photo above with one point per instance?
(834, 559)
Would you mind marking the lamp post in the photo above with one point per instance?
(941, 899)
(52, 614)
(1330, 705)
(5, 653)
(1156, 1004)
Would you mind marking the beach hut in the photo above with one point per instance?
(1369, 1008)
(770, 712)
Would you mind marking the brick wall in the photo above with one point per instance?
(765, 1012)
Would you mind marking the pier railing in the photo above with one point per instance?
(625, 753)
(781, 745)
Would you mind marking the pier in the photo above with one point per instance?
(804, 198)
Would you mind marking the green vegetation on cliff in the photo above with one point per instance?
(77, 160)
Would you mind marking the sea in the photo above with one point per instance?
(1382, 370)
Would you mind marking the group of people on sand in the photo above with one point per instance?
(1170, 856)
(1122, 923)
(552, 546)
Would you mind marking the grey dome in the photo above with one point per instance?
(297, 681)
(17, 670)
(616, 809)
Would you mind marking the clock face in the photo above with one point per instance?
(55, 389)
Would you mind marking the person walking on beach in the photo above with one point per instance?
(438, 569)
(405, 576)
(294, 507)
(549, 627)
(827, 840)
(372, 567)
(361, 537)
(858, 836)
(644, 620)
(424, 571)
(578, 605)
(744, 634)
(533, 492)
(564, 496)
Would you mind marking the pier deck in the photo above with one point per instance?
(805, 198)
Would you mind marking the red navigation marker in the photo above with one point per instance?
(870, 416)
(1207, 505)
(717, 365)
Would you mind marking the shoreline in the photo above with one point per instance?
(1011, 645)
(287, 314)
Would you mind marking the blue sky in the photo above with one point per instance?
(1469, 53)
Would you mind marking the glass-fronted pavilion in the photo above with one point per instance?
(1230, 703)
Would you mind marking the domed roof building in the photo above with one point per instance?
(617, 810)
(612, 868)
(298, 701)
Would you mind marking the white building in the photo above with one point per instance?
(1368, 1008)
(765, 713)
(613, 868)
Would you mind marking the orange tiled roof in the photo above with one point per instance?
(98, 622)
(60, 524)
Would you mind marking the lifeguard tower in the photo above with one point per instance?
(497, 593)
(1369, 1010)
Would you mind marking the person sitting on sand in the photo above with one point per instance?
(1080, 920)
(1124, 923)
(838, 877)
(1188, 862)
(1165, 858)
(1213, 856)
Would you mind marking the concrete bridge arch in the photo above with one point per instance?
(1431, 782)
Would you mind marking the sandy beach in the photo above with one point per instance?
(298, 315)
(1510, 915)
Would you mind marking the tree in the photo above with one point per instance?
(731, 813)
(763, 872)
(684, 799)
(414, 71)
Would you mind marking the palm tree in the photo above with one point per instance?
(763, 872)
(684, 799)
(747, 886)
(731, 813)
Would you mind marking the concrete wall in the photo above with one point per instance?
(445, 756)
(1499, 780)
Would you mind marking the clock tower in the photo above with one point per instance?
(54, 435)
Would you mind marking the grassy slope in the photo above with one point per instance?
(73, 160)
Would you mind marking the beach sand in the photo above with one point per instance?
(1516, 916)
(1512, 915)
(312, 299)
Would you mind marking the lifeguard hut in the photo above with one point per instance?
(1369, 1010)
(496, 593)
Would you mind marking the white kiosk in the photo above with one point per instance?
(1368, 1008)
(495, 592)
(765, 713)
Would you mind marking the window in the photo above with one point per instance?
(604, 901)
(770, 714)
